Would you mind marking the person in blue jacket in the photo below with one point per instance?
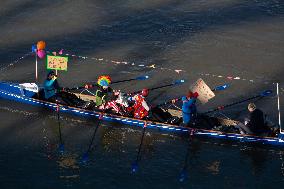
(189, 108)
(56, 94)
(51, 86)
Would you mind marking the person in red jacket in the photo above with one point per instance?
(141, 108)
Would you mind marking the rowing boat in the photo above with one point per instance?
(14, 92)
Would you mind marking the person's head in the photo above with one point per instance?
(251, 107)
(50, 75)
(189, 95)
(145, 92)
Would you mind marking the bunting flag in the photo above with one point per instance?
(152, 67)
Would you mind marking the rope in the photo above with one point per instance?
(15, 61)
(88, 92)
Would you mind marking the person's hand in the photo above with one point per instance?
(195, 94)
(116, 93)
(54, 77)
(88, 86)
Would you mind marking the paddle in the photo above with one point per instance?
(218, 88)
(183, 173)
(134, 166)
(61, 145)
(177, 82)
(144, 77)
(86, 154)
(262, 94)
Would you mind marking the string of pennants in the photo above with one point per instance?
(139, 65)
(18, 60)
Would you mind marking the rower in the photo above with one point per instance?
(52, 89)
(140, 107)
(105, 95)
(255, 123)
(189, 108)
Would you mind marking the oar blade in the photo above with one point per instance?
(177, 82)
(134, 167)
(266, 93)
(61, 148)
(183, 175)
(85, 158)
(144, 77)
(222, 87)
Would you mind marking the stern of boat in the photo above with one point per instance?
(18, 89)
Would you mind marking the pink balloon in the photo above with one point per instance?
(41, 53)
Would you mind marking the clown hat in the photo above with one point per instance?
(104, 80)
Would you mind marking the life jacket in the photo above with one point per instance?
(140, 107)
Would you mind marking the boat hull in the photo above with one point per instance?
(11, 91)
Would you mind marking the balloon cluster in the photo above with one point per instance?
(39, 49)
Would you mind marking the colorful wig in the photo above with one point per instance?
(104, 80)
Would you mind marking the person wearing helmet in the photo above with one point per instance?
(255, 123)
(140, 107)
(189, 108)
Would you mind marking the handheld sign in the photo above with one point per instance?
(205, 93)
(56, 62)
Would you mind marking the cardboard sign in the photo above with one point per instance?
(205, 93)
(56, 62)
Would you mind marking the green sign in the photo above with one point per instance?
(56, 62)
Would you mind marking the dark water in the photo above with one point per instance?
(242, 39)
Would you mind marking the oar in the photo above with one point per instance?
(86, 154)
(134, 166)
(61, 145)
(144, 77)
(183, 173)
(218, 88)
(177, 82)
(262, 94)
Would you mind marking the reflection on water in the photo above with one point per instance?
(69, 167)
(214, 167)
(281, 154)
(163, 155)
(258, 158)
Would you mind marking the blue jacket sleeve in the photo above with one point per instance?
(187, 104)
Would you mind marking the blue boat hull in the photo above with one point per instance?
(11, 91)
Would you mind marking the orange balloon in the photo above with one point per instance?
(40, 45)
